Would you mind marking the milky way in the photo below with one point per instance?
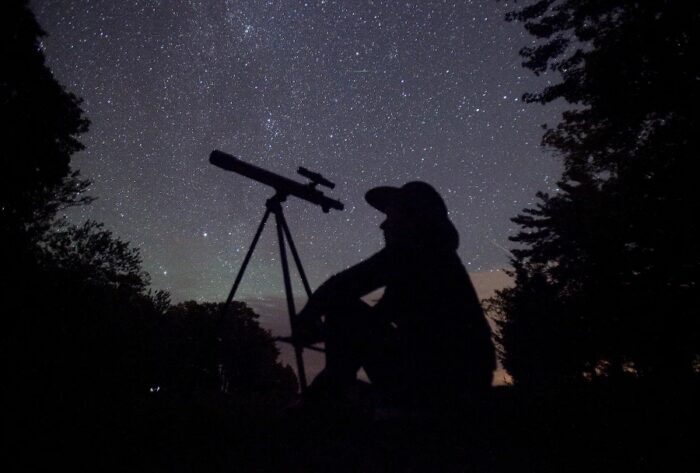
(366, 92)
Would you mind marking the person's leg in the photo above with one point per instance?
(346, 331)
(387, 363)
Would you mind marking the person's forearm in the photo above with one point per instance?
(349, 285)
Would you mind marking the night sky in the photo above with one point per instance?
(367, 93)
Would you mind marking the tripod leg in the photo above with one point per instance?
(297, 260)
(239, 276)
(298, 349)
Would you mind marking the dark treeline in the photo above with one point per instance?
(607, 268)
(93, 360)
(600, 331)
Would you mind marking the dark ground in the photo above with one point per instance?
(598, 428)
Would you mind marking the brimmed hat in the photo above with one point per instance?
(421, 203)
(418, 199)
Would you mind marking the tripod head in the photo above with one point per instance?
(284, 186)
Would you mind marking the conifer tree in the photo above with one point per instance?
(606, 269)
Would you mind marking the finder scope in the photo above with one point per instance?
(281, 184)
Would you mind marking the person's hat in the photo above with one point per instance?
(416, 198)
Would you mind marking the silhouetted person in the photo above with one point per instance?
(426, 343)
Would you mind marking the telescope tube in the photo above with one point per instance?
(281, 184)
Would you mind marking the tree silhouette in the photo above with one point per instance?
(80, 320)
(83, 326)
(606, 269)
(230, 354)
(39, 125)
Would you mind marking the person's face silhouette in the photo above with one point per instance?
(396, 226)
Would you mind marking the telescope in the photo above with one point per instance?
(284, 186)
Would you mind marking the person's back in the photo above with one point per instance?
(447, 351)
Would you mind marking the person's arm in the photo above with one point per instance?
(348, 285)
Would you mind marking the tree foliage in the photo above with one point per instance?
(39, 127)
(230, 353)
(606, 268)
(90, 328)
(80, 322)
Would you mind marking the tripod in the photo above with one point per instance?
(274, 206)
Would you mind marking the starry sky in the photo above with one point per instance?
(366, 92)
